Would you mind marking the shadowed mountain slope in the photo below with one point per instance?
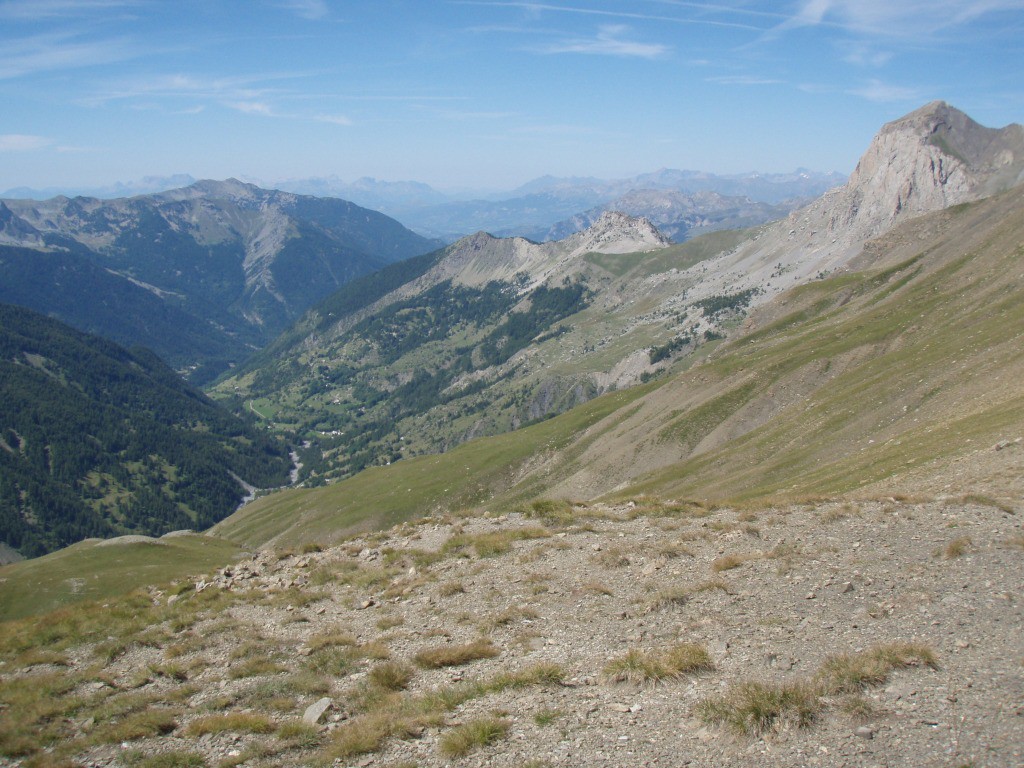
(97, 441)
(240, 262)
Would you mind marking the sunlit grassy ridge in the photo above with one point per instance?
(86, 571)
(914, 363)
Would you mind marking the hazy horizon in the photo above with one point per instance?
(481, 94)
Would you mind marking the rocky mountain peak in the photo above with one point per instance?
(16, 231)
(231, 189)
(617, 232)
(929, 159)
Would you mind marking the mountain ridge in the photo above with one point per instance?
(242, 261)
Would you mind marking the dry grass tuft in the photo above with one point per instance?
(456, 655)
(672, 549)
(236, 722)
(613, 557)
(596, 588)
(710, 585)
(958, 547)
(553, 512)
(138, 725)
(654, 667)
(450, 588)
(671, 597)
(858, 707)
(362, 735)
(728, 562)
(987, 501)
(508, 616)
(855, 672)
(472, 735)
(494, 543)
(391, 675)
(752, 707)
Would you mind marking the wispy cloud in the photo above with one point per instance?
(251, 107)
(885, 18)
(610, 40)
(59, 51)
(263, 109)
(32, 10)
(307, 9)
(743, 80)
(20, 142)
(876, 90)
(536, 9)
(241, 89)
(257, 95)
(863, 54)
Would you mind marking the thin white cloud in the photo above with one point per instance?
(863, 54)
(610, 41)
(263, 109)
(217, 89)
(876, 90)
(251, 107)
(307, 9)
(906, 18)
(743, 80)
(536, 9)
(33, 10)
(21, 142)
(60, 51)
(258, 95)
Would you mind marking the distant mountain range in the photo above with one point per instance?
(97, 441)
(203, 275)
(147, 185)
(682, 203)
(545, 208)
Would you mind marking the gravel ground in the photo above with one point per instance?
(769, 593)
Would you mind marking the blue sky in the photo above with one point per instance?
(480, 93)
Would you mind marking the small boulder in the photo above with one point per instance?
(314, 712)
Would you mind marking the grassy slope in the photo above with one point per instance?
(85, 571)
(382, 496)
(917, 363)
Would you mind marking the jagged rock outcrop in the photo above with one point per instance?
(480, 258)
(931, 159)
(928, 160)
(617, 232)
(16, 231)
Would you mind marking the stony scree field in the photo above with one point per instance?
(876, 632)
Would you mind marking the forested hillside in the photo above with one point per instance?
(204, 275)
(96, 440)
